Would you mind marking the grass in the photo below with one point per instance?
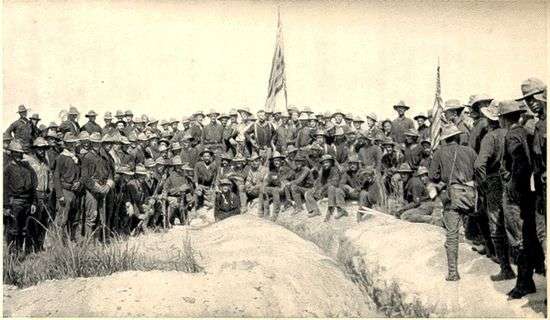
(87, 257)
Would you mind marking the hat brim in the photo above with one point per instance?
(445, 137)
(530, 94)
(488, 116)
(404, 171)
(418, 117)
(338, 113)
(395, 107)
(511, 112)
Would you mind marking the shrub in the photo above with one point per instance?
(86, 257)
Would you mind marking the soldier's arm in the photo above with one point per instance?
(11, 129)
(485, 153)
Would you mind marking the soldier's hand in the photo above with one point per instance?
(7, 212)
(33, 209)
(62, 201)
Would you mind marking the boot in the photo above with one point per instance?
(341, 212)
(452, 261)
(506, 272)
(266, 209)
(359, 216)
(330, 210)
(524, 283)
(314, 213)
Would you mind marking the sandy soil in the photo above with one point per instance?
(252, 267)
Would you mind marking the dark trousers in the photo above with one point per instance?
(15, 223)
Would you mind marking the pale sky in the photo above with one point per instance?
(170, 58)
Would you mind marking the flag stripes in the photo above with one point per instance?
(277, 78)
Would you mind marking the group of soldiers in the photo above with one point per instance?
(487, 172)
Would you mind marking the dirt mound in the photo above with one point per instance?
(252, 268)
(403, 265)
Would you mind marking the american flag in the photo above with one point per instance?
(437, 113)
(277, 78)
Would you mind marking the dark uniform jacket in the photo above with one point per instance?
(22, 130)
(488, 160)
(442, 162)
(69, 126)
(212, 133)
(516, 163)
(66, 174)
(20, 181)
(399, 127)
(479, 130)
(96, 168)
(91, 127)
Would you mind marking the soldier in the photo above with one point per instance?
(423, 129)
(480, 123)
(227, 202)
(71, 124)
(342, 150)
(518, 199)
(176, 188)
(67, 185)
(487, 173)
(119, 115)
(196, 128)
(372, 128)
(304, 136)
(21, 129)
(36, 129)
(109, 126)
(453, 110)
(20, 183)
(274, 185)
(452, 168)
(419, 207)
(350, 185)
(337, 120)
(97, 178)
(401, 124)
(261, 133)
(357, 124)
(285, 135)
(7, 139)
(302, 181)
(371, 154)
(413, 150)
(370, 194)
(387, 129)
(205, 179)
(91, 126)
(212, 134)
(36, 227)
(534, 96)
(255, 174)
(324, 186)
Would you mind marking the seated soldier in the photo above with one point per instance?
(237, 176)
(205, 179)
(370, 194)
(136, 201)
(324, 186)
(303, 181)
(419, 207)
(227, 202)
(350, 184)
(175, 189)
(273, 185)
(255, 174)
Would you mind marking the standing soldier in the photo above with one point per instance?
(453, 110)
(519, 199)
(260, 134)
(480, 123)
(109, 127)
(212, 134)
(71, 124)
(401, 124)
(487, 173)
(37, 226)
(36, 129)
(67, 185)
(97, 177)
(20, 184)
(534, 96)
(21, 129)
(196, 128)
(91, 126)
(372, 122)
(423, 129)
(285, 135)
(453, 168)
